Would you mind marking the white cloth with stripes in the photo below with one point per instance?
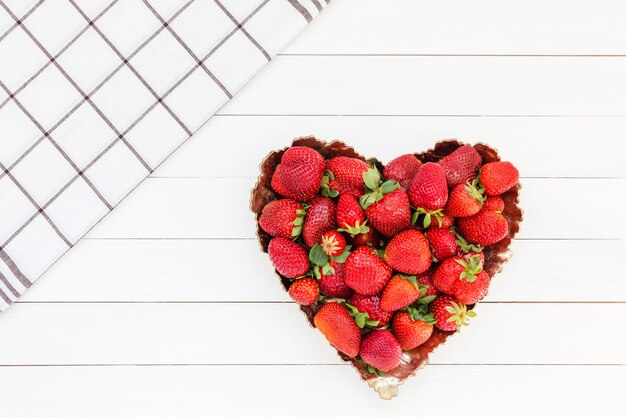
(95, 94)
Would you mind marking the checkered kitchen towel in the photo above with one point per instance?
(94, 94)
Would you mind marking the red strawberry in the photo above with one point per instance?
(365, 272)
(387, 206)
(429, 192)
(486, 227)
(498, 177)
(381, 350)
(370, 305)
(450, 313)
(345, 175)
(370, 238)
(299, 174)
(465, 199)
(340, 329)
(441, 222)
(470, 292)
(333, 243)
(304, 291)
(350, 215)
(409, 332)
(461, 165)
(426, 280)
(442, 242)
(334, 285)
(402, 169)
(320, 218)
(454, 269)
(399, 292)
(408, 252)
(282, 218)
(290, 259)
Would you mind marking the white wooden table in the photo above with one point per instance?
(168, 308)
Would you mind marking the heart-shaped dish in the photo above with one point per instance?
(495, 255)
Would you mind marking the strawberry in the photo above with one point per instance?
(381, 350)
(450, 313)
(454, 269)
(426, 281)
(290, 259)
(304, 291)
(365, 272)
(350, 215)
(461, 165)
(282, 218)
(498, 177)
(402, 169)
(299, 174)
(387, 206)
(408, 252)
(465, 199)
(441, 222)
(471, 291)
(370, 305)
(399, 292)
(410, 332)
(340, 329)
(370, 238)
(344, 175)
(442, 243)
(333, 243)
(486, 227)
(320, 218)
(428, 191)
(334, 285)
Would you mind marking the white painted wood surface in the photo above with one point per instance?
(167, 308)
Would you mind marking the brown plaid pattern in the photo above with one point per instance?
(94, 95)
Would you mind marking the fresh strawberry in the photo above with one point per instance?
(454, 269)
(333, 243)
(320, 218)
(399, 292)
(370, 238)
(299, 174)
(470, 291)
(465, 199)
(410, 332)
(350, 215)
(282, 218)
(429, 192)
(370, 305)
(442, 243)
(461, 165)
(441, 222)
(344, 175)
(498, 177)
(486, 227)
(450, 313)
(304, 291)
(387, 206)
(290, 259)
(426, 280)
(402, 169)
(334, 285)
(408, 252)
(340, 329)
(381, 350)
(365, 272)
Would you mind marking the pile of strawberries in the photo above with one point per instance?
(385, 258)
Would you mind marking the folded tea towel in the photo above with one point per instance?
(94, 94)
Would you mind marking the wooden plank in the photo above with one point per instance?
(279, 390)
(212, 271)
(218, 208)
(459, 27)
(540, 146)
(252, 333)
(408, 85)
